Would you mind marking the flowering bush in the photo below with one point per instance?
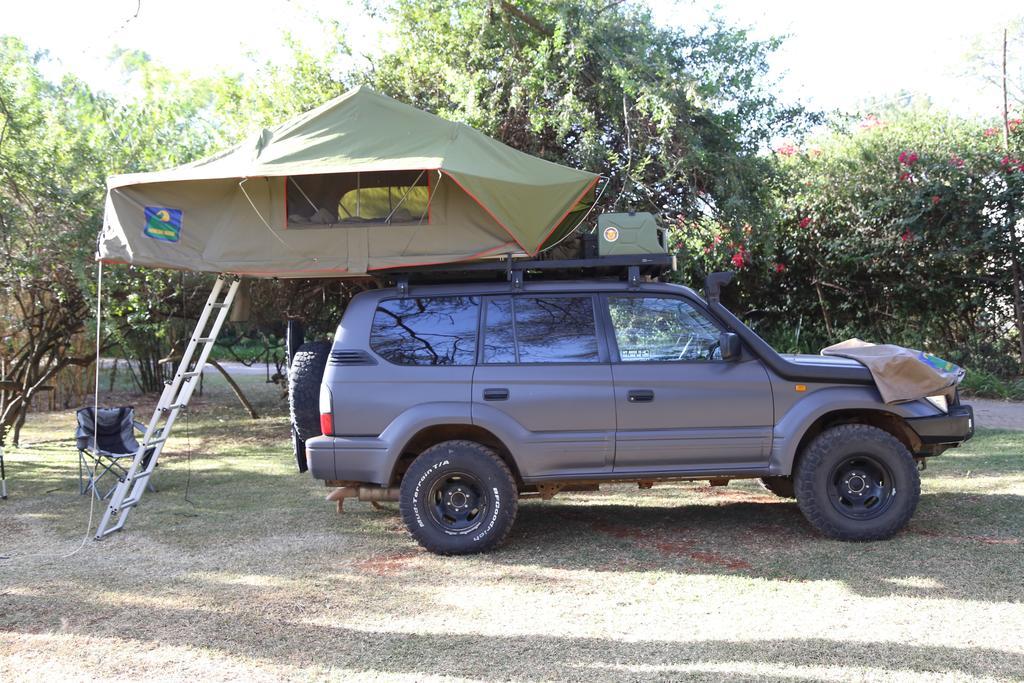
(905, 231)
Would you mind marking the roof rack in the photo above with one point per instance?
(631, 267)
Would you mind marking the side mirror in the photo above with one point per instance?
(729, 346)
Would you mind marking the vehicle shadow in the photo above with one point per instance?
(961, 546)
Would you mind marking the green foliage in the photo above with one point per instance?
(49, 166)
(674, 118)
(985, 384)
(902, 229)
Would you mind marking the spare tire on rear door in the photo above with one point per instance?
(304, 375)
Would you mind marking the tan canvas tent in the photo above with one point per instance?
(361, 183)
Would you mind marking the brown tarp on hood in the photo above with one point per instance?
(901, 374)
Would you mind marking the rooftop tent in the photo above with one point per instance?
(361, 183)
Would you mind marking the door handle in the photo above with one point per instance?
(640, 396)
(495, 394)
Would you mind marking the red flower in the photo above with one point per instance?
(908, 158)
(787, 150)
(989, 132)
(870, 121)
(740, 257)
(936, 199)
(1009, 163)
(780, 267)
(907, 235)
(956, 161)
(905, 176)
(1013, 123)
(805, 221)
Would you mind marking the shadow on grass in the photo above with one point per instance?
(976, 558)
(505, 657)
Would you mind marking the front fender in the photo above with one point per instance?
(817, 403)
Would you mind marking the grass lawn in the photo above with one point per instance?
(254, 576)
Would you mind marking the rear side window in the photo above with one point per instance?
(500, 339)
(426, 331)
(541, 329)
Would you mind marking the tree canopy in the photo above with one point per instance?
(676, 119)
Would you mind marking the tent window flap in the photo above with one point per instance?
(345, 199)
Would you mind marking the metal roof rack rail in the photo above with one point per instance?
(629, 266)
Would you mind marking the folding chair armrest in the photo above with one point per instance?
(139, 426)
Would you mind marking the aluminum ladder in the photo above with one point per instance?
(173, 400)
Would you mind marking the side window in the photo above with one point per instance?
(556, 329)
(427, 331)
(662, 329)
(499, 337)
(541, 329)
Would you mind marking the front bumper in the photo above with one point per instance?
(954, 427)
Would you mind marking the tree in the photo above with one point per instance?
(675, 119)
(900, 227)
(49, 166)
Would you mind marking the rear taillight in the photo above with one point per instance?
(326, 411)
(326, 424)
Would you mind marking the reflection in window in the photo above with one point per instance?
(556, 330)
(499, 337)
(662, 329)
(427, 331)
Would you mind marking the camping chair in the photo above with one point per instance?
(115, 442)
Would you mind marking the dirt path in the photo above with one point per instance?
(997, 414)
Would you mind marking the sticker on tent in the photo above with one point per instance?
(163, 224)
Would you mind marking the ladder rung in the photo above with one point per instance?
(222, 304)
(176, 406)
(129, 503)
(155, 441)
(204, 340)
(142, 475)
(192, 373)
(107, 532)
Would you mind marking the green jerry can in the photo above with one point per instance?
(619, 234)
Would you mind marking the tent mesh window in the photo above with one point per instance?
(340, 199)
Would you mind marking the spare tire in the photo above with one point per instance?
(304, 375)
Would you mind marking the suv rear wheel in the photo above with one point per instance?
(857, 483)
(458, 497)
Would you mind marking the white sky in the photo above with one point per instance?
(837, 54)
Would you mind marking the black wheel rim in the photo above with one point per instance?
(862, 487)
(458, 502)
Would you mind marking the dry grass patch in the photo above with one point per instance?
(258, 578)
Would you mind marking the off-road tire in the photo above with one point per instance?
(452, 465)
(304, 376)
(818, 481)
(780, 486)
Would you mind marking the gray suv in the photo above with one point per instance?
(459, 399)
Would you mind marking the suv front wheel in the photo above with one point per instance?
(856, 482)
(457, 498)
